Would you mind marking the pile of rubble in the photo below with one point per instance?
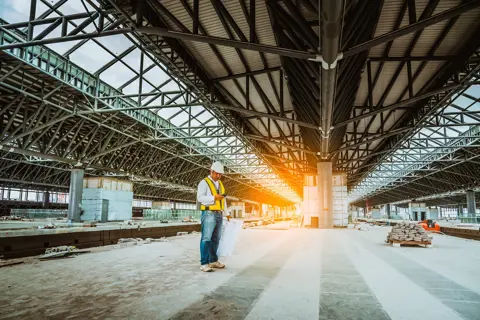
(61, 252)
(15, 218)
(141, 241)
(259, 223)
(60, 249)
(406, 231)
(49, 225)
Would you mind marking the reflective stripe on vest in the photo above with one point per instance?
(219, 205)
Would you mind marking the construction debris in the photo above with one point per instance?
(61, 252)
(406, 231)
(11, 217)
(47, 226)
(189, 219)
(60, 249)
(125, 240)
(160, 240)
(262, 222)
(183, 233)
(140, 241)
(90, 224)
(133, 223)
(55, 255)
(128, 222)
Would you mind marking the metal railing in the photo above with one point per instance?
(171, 214)
(475, 220)
(39, 213)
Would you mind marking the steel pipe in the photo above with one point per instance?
(331, 12)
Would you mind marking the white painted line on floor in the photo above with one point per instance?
(249, 248)
(465, 301)
(295, 292)
(346, 294)
(401, 298)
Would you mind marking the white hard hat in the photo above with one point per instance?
(217, 167)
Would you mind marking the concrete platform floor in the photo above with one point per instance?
(274, 274)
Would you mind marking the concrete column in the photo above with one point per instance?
(387, 209)
(75, 193)
(325, 196)
(471, 203)
(46, 200)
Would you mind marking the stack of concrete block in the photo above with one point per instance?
(92, 208)
(406, 231)
(119, 204)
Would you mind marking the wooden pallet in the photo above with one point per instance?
(397, 243)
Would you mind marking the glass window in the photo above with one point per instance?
(32, 195)
(14, 194)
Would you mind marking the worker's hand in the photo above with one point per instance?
(218, 197)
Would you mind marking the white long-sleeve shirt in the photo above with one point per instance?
(205, 196)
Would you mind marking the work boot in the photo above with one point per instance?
(216, 265)
(206, 268)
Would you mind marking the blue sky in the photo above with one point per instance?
(90, 56)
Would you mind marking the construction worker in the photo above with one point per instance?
(211, 200)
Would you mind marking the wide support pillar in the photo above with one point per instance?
(75, 193)
(471, 203)
(387, 210)
(325, 198)
(46, 200)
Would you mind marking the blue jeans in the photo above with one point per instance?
(211, 233)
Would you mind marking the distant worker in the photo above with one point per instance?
(211, 199)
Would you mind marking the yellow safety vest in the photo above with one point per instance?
(219, 205)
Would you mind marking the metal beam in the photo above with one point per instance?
(401, 104)
(266, 115)
(331, 13)
(262, 139)
(422, 24)
(246, 74)
(65, 39)
(409, 58)
(227, 42)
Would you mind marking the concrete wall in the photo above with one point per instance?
(310, 204)
(376, 213)
(433, 213)
(340, 199)
(237, 209)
